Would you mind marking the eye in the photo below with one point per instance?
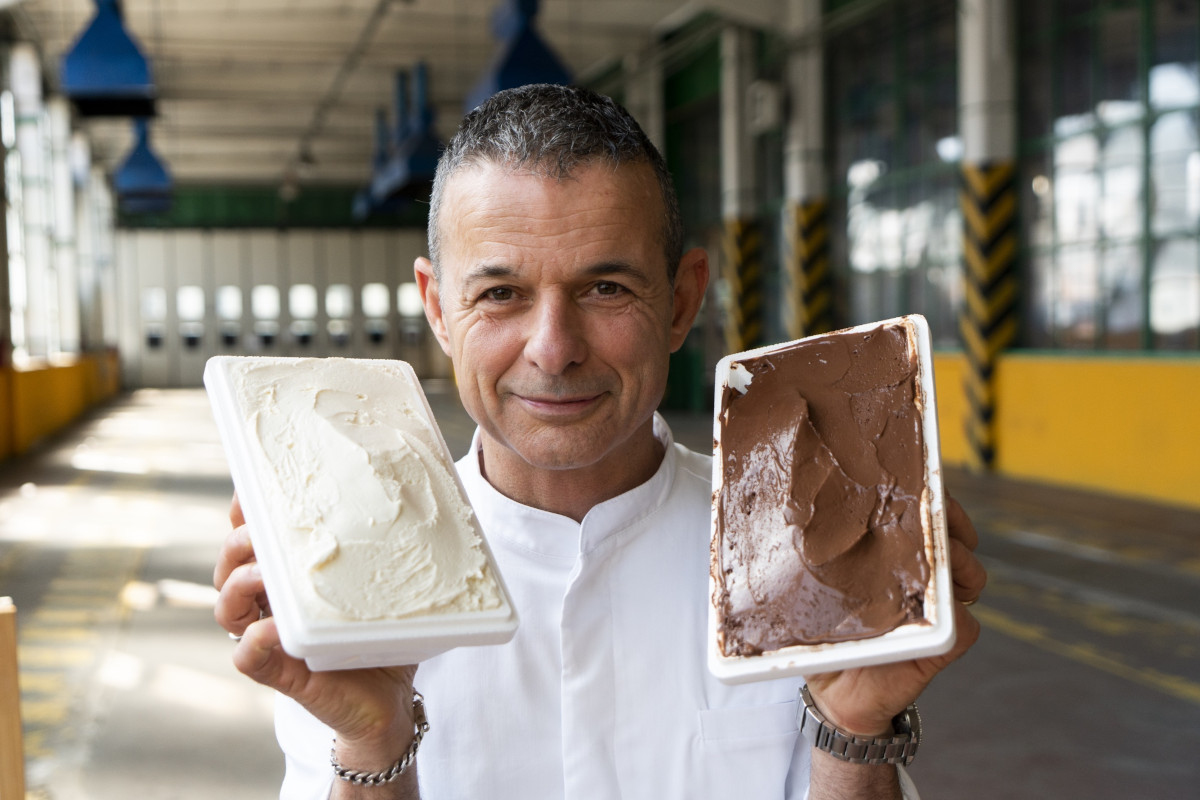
(498, 294)
(608, 288)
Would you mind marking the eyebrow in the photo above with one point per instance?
(615, 269)
(488, 271)
(604, 269)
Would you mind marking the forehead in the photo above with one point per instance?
(492, 204)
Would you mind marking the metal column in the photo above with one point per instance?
(38, 300)
(809, 298)
(5, 300)
(743, 243)
(988, 200)
(62, 225)
(644, 95)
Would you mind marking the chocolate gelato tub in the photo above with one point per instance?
(370, 552)
(829, 542)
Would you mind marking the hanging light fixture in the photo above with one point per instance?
(142, 183)
(524, 57)
(408, 172)
(105, 73)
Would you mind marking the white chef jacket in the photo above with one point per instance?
(604, 691)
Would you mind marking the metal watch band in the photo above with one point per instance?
(899, 748)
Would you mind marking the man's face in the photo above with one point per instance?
(555, 306)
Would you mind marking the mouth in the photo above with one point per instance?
(559, 406)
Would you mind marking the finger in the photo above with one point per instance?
(966, 631)
(235, 551)
(959, 525)
(966, 634)
(236, 517)
(241, 600)
(260, 656)
(968, 573)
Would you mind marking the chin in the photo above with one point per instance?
(564, 458)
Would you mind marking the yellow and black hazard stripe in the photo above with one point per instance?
(810, 294)
(744, 276)
(989, 319)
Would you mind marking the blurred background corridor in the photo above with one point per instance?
(185, 179)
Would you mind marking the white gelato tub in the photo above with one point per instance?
(930, 635)
(370, 552)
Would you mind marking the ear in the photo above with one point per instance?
(430, 298)
(691, 282)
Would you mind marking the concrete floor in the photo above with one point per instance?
(1085, 683)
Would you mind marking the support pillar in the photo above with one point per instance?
(36, 302)
(809, 286)
(62, 225)
(103, 226)
(987, 114)
(743, 243)
(644, 96)
(5, 281)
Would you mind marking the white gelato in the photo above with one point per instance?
(363, 498)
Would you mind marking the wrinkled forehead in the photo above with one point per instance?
(496, 171)
(480, 179)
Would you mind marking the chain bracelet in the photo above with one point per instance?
(360, 778)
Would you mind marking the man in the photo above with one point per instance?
(558, 285)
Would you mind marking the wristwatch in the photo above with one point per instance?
(899, 748)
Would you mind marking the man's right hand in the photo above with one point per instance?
(370, 710)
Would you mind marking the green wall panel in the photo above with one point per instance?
(261, 207)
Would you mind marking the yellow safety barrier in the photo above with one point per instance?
(42, 399)
(744, 276)
(810, 294)
(989, 320)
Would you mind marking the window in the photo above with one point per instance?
(228, 304)
(229, 314)
(189, 305)
(1111, 174)
(154, 315)
(408, 300)
(376, 304)
(264, 305)
(1175, 294)
(302, 306)
(339, 306)
(895, 153)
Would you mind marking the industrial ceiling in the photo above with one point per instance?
(266, 91)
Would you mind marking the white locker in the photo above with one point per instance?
(194, 308)
(339, 294)
(158, 322)
(231, 290)
(376, 295)
(306, 333)
(267, 310)
(128, 317)
(187, 295)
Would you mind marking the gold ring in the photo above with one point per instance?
(970, 602)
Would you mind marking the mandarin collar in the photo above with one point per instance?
(548, 534)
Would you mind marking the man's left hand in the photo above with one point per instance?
(864, 700)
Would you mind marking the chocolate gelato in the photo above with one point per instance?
(820, 525)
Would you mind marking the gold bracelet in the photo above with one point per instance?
(360, 778)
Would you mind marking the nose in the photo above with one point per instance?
(555, 338)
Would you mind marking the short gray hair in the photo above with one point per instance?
(552, 130)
